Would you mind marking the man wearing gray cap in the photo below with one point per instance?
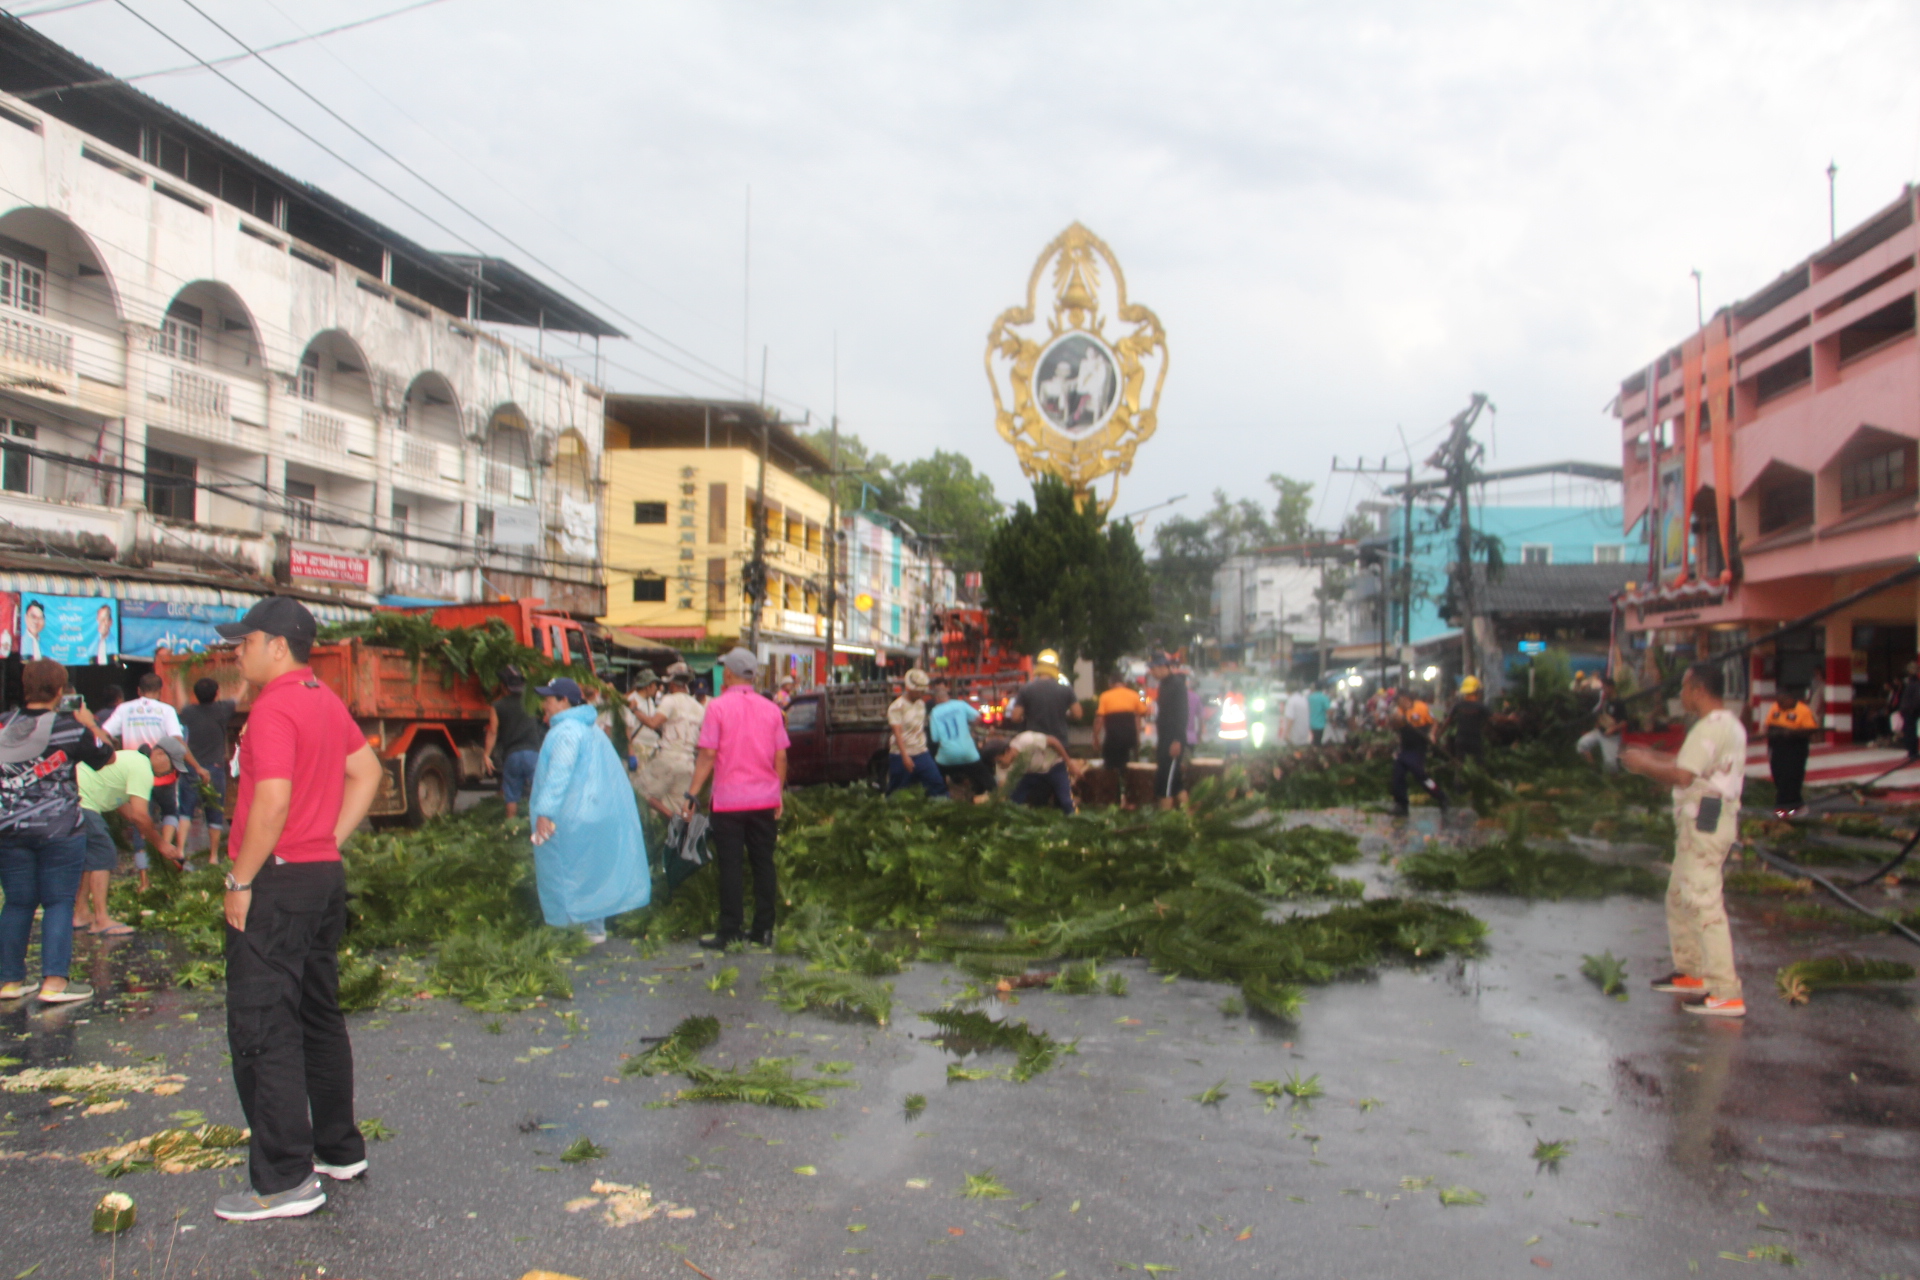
(676, 718)
(743, 748)
(286, 908)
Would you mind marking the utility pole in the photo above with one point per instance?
(1456, 459)
(833, 537)
(1833, 214)
(1361, 467)
(753, 582)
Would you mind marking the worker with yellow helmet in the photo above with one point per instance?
(1467, 721)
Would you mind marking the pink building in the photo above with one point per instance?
(1789, 421)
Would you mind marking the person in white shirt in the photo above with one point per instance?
(138, 724)
(1299, 729)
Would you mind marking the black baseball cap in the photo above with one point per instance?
(277, 616)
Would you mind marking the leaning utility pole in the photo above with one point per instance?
(753, 582)
(1457, 459)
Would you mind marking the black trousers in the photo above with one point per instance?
(737, 836)
(1412, 764)
(292, 1061)
(1787, 761)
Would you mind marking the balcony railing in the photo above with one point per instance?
(195, 395)
(506, 480)
(428, 459)
(37, 344)
(324, 431)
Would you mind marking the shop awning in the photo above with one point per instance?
(60, 584)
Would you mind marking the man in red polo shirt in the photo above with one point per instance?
(307, 777)
(743, 748)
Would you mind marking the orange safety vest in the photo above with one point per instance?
(1798, 720)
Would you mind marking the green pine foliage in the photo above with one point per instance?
(495, 971)
(765, 1082)
(1799, 980)
(681, 1047)
(1512, 866)
(1609, 971)
(842, 993)
(964, 1031)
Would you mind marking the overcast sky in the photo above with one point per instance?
(1348, 217)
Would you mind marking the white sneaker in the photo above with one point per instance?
(340, 1172)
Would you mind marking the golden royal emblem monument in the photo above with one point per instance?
(1078, 392)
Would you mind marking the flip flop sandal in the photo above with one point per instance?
(72, 993)
(117, 931)
(17, 991)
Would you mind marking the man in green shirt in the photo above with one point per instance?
(121, 787)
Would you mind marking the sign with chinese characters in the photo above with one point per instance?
(330, 566)
(1077, 391)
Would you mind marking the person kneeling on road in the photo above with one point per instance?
(910, 760)
(1707, 777)
(1045, 770)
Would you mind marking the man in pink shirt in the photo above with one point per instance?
(743, 748)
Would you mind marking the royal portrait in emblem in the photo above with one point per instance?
(1076, 384)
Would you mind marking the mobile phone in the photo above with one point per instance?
(72, 702)
(1708, 819)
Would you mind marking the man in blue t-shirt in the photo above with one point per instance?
(949, 729)
(1317, 714)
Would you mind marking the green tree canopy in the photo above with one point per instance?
(1188, 550)
(941, 496)
(1056, 578)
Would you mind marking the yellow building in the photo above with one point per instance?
(682, 495)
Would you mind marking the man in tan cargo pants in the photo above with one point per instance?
(1707, 778)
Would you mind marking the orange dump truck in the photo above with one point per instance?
(427, 726)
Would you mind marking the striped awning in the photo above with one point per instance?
(60, 584)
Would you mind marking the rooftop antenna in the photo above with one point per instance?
(1833, 226)
(1699, 300)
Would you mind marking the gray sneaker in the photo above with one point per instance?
(246, 1206)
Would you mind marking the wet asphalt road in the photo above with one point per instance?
(1799, 1128)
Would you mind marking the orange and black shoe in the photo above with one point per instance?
(1714, 1007)
(1681, 984)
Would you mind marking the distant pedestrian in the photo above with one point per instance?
(644, 700)
(1170, 730)
(783, 696)
(205, 723)
(514, 737)
(910, 761)
(1910, 712)
(1317, 707)
(1044, 704)
(1298, 725)
(43, 835)
(590, 859)
(1609, 724)
(1790, 728)
(1045, 769)
(1707, 777)
(307, 778)
(950, 724)
(1467, 722)
(1412, 720)
(1339, 717)
(743, 749)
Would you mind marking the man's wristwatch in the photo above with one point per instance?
(234, 886)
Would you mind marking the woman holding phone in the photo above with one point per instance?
(43, 845)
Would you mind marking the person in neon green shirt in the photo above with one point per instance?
(121, 787)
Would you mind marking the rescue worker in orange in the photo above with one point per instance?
(1412, 719)
(1790, 728)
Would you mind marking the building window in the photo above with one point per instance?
(308, 387)
(170, 487)
(1877, 474)
(23, 278)
(401, 514)
(16, 466)
(1787, 503)
(300, 499)
(649, 513)
(179, 335)
(1609, 553)
(649, 590)
(1536, 553)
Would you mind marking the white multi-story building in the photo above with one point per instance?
(217, 381)
(900, 582)
(1265, 608)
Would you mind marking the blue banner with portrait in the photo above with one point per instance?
(79, 631)
(147, 626)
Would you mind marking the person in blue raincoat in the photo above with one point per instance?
(589, 860)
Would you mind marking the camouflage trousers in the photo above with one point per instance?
(1697, 924)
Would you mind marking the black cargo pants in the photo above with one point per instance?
(292, 1061)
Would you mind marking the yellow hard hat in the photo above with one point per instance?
(1047, 660)
(1470, 685)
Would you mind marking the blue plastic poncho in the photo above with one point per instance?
(595, 863)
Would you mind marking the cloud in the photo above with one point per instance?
(1348, 216)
